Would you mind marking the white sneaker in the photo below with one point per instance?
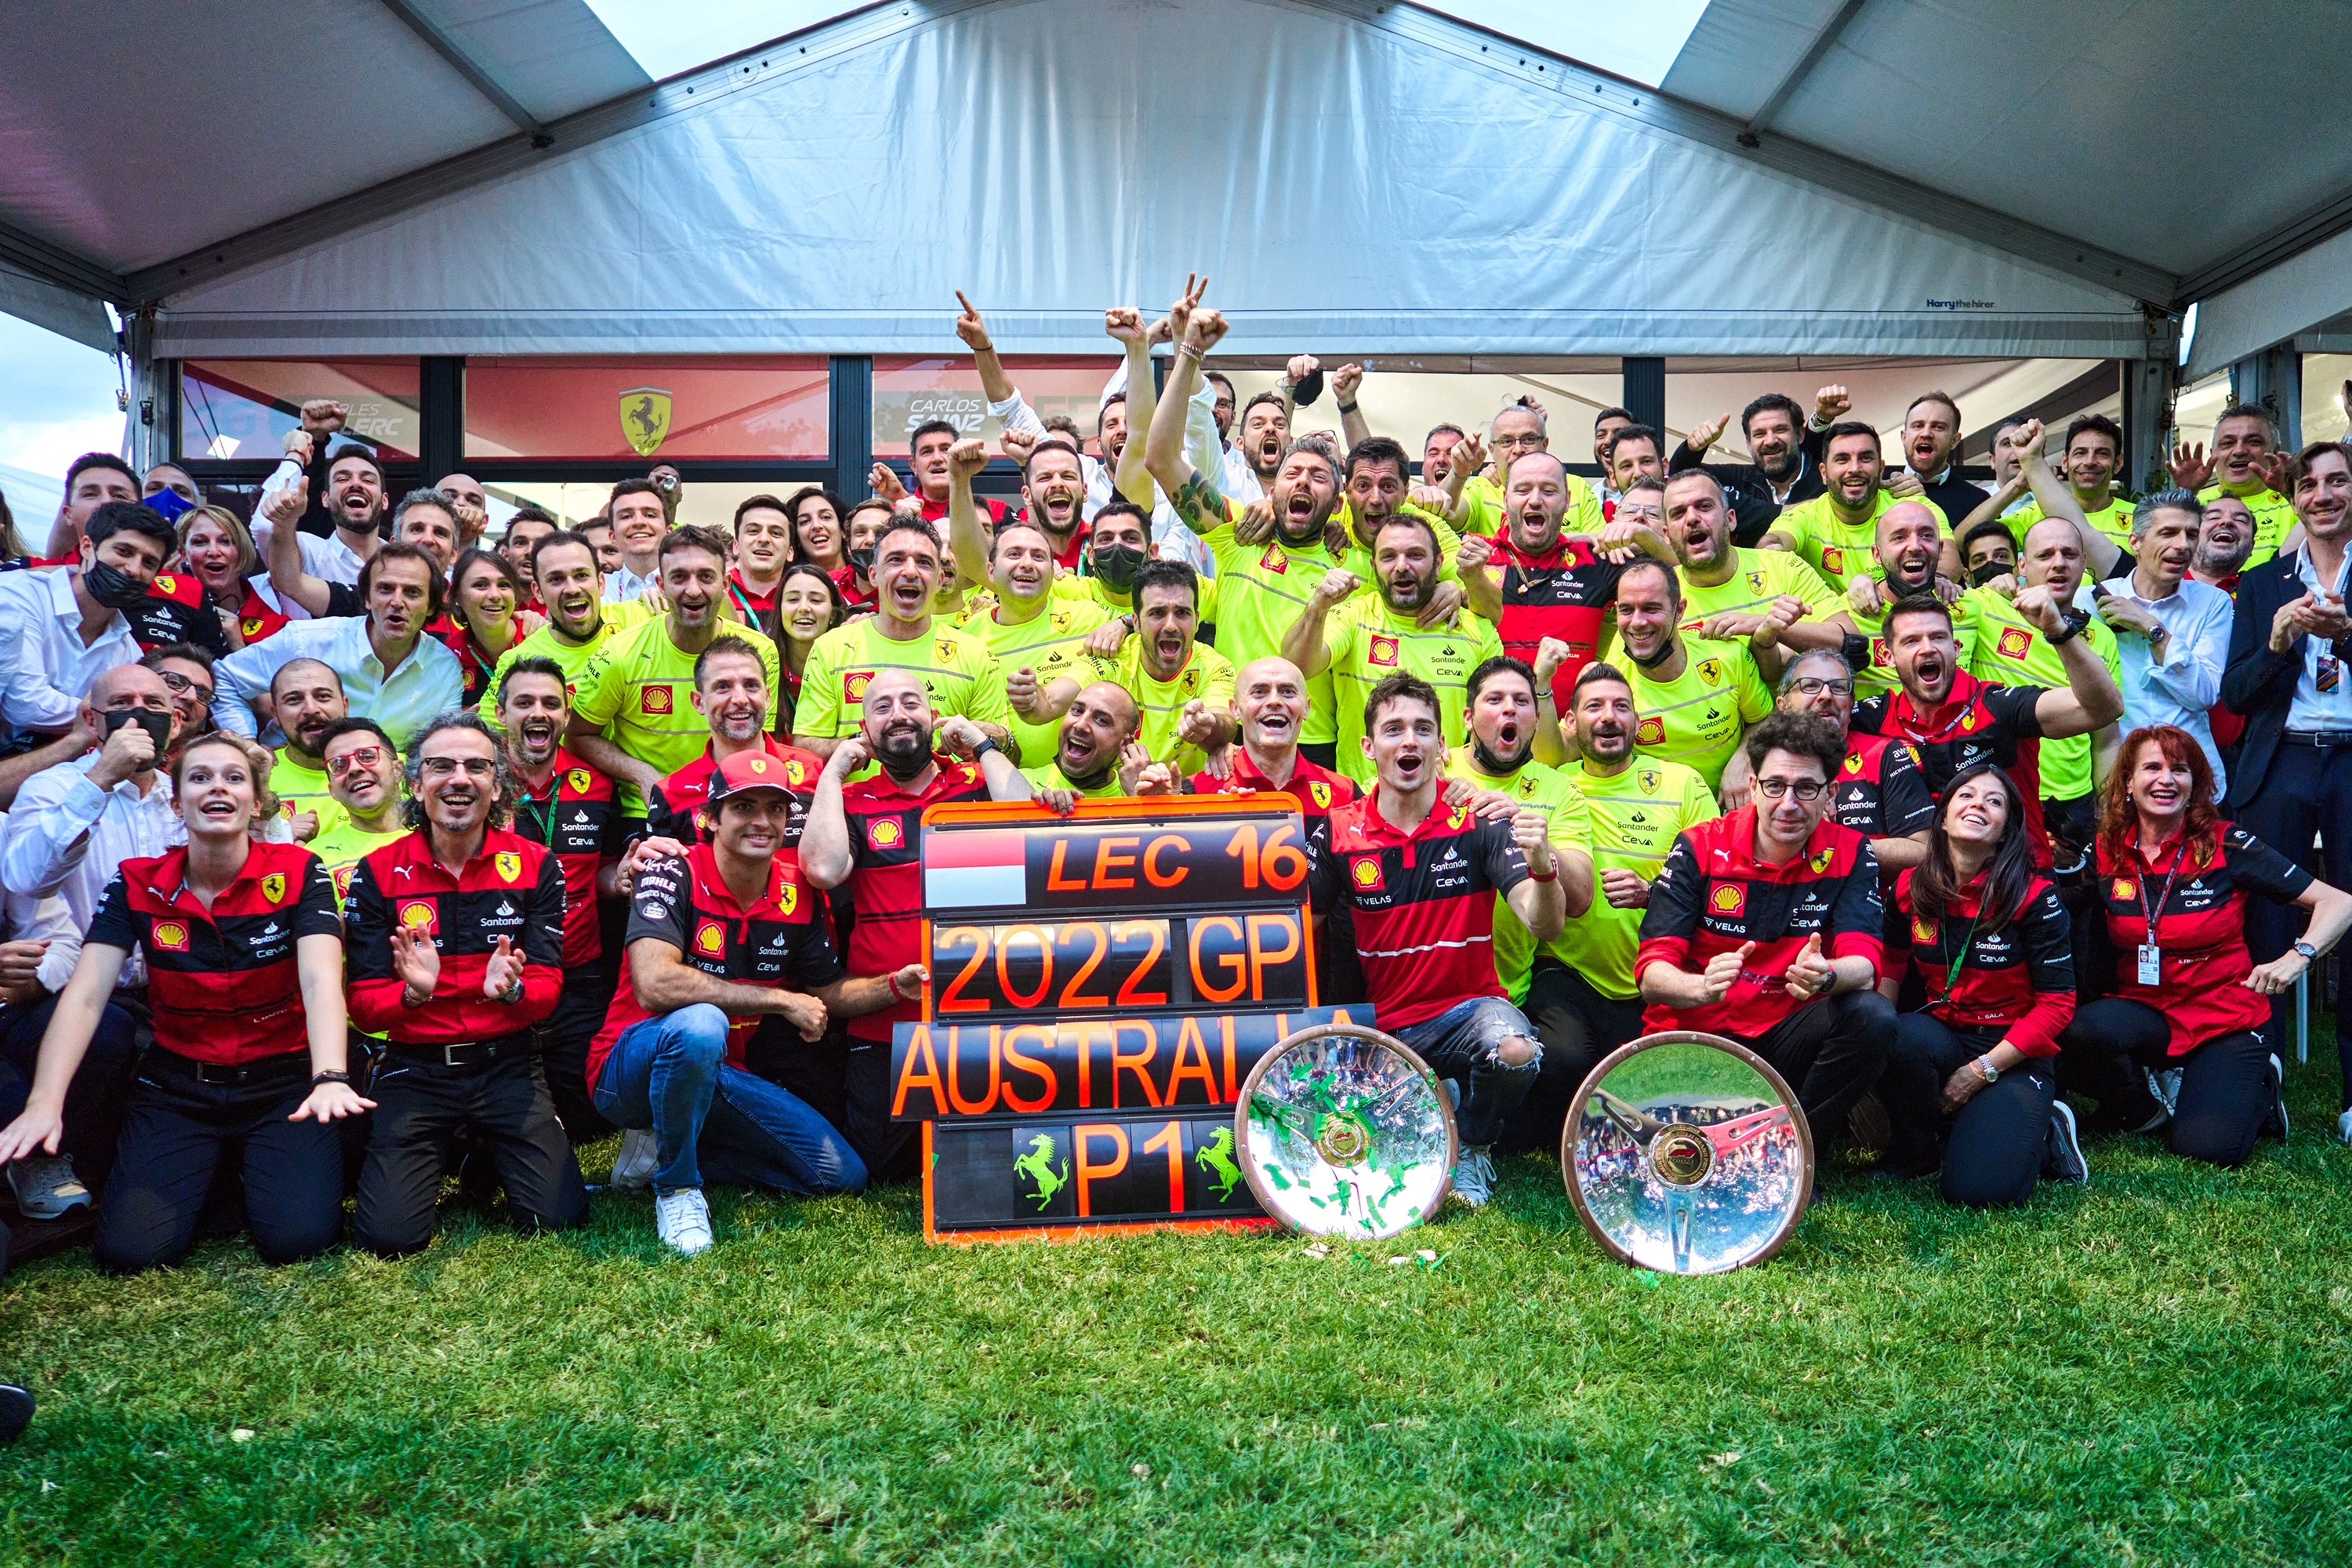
(633, 1166)
(2062, 1154)
(1473, 1177)
(2344, 1127)
(46, 1187)
(2276, 1120)
(683, 1220)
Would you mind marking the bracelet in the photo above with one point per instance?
(1187, 351)
(332, 1075)
(1551, 876)
(1347, 407)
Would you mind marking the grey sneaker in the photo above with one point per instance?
(633, 1166)
(2063, 1156)
(46, 1187)
(683, 1220)
(1473, 1177)
(2276, 1120)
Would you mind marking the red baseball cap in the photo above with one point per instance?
(745, 772)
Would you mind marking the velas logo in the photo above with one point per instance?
(578, 777)
(853, 683)
(1275, 560)
(273, 888)
(1650, 732)
(655, 700)
(1319, 793)
(1364, 870)
(1923, 930)
(2016, 642)
(1384, 651)
(510, 864)
(710, 938)
(169, 936)
(417, 915)
(2123, 891)
(884, 833)
(1728, 899)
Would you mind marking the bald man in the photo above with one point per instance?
(473, 507)
(306, 698)
(1098, 756)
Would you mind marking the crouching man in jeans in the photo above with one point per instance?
(721, 943)
(1418, 880)
(1765, 925)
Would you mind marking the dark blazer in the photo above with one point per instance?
(2258, 683)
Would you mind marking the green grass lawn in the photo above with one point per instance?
(2152, 1371)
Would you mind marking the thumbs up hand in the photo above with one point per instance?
(1810, 974)
(1723, 972)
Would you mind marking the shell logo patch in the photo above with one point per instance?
(2016, 642)
(1384, 652)
(789, 900)
(1320, 793)
(1833, 560)
(510, 864)
(854, 684)
(884, 833)
(710, 938)
(273, 887)
(578, 777)
(1711, 671)
(1878, 652)
(343, 876)
(1923, 930)
(418, 915)
(1728, 899)
(655, 700)
(169, 936)
(1274, 560)
(1650, 732)
(1821, 862)
(2123, 889)
(1364, 870)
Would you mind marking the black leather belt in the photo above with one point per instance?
(286, 1065)
(2320, 739)
(466, 1053)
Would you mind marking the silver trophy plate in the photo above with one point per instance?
(1686, 1153)
(1345, 1132)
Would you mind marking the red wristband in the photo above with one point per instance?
(1552, 876)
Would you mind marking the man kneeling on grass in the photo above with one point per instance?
(722, 944)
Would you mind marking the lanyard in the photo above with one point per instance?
(1961, 959)
(545, 818)
(2156, 913)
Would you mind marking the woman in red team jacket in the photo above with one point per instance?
(2182, 1036)
(1971, 1071)
(244, 974)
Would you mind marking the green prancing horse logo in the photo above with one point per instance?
(1216, 1157)
(1038, 1166)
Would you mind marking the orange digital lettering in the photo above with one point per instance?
(1041, 1070)
(1136, 1062)
(1169, 1139)
(1114, 854)
(1194, 1065)
(986, 1102)
(922, 1069)
(1151, 870)
(1004, 973)
(1089, 1172)
(1259, 959)
(1231, 962)
(1054, 881)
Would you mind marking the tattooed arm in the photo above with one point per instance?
(1193, 493)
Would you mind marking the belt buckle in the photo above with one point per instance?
(220, 1073)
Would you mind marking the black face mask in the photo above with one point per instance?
(112, 587)
(1500, 767)
(1116, 566)
(1988, 570)
(861, 560)
(157, 725)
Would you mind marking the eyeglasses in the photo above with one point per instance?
(1512, 443)
(473, 767)
(179, 685)
(357, 757)
(1803, 789)
(1814, 685)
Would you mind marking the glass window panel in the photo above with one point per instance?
(776, 408)
(2327, 397)
(704, 501)
(911, 392)
(244, 408)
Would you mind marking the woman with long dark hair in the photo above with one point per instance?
(486, 596)
(2182, 1036)
(808, 605)
(819, 528)
(1971, 1083)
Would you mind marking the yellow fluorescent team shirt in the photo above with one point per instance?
(1842, 550)
(299, 789)
(2113, 520)
(2011, 650)
(1758, 578)
(1061, 626)
(1369, 642)
(1207, 677)
(1636, 813)
(954, 666)
(341, 848)
(1878, 675)
(572, 656)
(1270, 586)
(1569, 825)
(1051, 776)
(1698, 718)
(1484, 507)
(1322, 725)
(2273, 518)
(638, 688)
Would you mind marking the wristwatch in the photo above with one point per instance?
(987, 743)
(2310, 954)
(2075, 621)
(1986, 1070)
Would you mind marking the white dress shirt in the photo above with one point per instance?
(2182, 690)
(45, 669)
(622, 586)
(66, 837)
(2312, 708)
(427, 683)
(1171, 539)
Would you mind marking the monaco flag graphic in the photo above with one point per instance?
(970, 870)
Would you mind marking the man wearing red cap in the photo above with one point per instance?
(720, 944)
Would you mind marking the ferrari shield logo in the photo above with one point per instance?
(1756, 582)
(789, 900)
(1651, 779)
(1854, 761)
(1821, 862)
(795, 771)
(167, 584)
(510, 864)
(1320, 793)
(250, 627)
(1711, 671)
(579, 780)
(645, 418)
(273, 887)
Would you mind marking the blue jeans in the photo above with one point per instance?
(711, 1121)
(1464, 1044)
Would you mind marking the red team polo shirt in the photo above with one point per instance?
(886, 880)
(1422, 904)
(2019, 980)
(2200, 925)
(513, 889)
(222, 981)
(1565, 595)
(577, 816)
(778, 942)
(1713, 894)
(671, 804)
(1977, 723)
